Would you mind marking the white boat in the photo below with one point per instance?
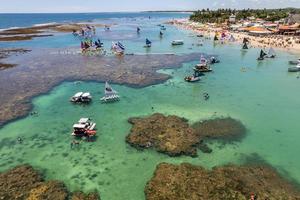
(294, 69)
(84, 127)
(110, 94)
(177, 42)
(192, 78)
(118, 47)
(271, 53)
(81, 97)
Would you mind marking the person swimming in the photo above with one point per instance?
(206, 96)
(20, 140)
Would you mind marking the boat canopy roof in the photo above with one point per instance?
(87, 94)
(83, 120)
(79, 126)
(78, 94)
(177, 40)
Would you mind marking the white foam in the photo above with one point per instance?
(45, 24)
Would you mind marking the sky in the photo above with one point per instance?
(28, 6)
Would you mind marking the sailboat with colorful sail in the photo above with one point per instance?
(118, 47)
(110, 94)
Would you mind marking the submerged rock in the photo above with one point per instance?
(23, 182)
(189, 182)
(173, 135)
(220, 128)
(168, 134)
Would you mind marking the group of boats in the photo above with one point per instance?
(85, 127)
(294, 68)
(110, 95)
(201, 68)
(262, 55)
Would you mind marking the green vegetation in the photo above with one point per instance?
(222, 15)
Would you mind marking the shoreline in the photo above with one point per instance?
(285, 43)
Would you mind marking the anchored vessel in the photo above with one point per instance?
(177, 42)
(84, 128)
(81, 97)
(203, 66)
(117, 47)
(294, 69)
(110, 94)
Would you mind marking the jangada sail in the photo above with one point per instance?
(271, 53)
(109, 90)
(110, 94)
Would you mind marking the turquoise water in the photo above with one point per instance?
(263, 96)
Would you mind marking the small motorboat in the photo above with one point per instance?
(294, 62)
(163, 28)
(177, 42)
(81, 97)
(192, 78)
(202, 68)
(200, 35)
(84, 128)
(294, 69)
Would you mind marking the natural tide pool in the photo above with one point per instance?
(263, 95)
(260, 94)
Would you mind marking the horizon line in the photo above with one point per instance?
(144, 11)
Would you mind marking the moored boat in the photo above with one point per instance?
(294, 62)
(110, 94)
(84, 128)
(192, 78)
(262, 55)
(203, 66)
(177, 42)
(81, 97)
(148, 43)
(271, 53)
(294, 69)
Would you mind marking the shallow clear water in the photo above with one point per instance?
(263, 96)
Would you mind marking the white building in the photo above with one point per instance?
(232, 18)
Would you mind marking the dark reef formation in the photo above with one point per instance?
(189, 182)
(5, 53)
(167, 134)
(174, 136)
(25, 183)
(41, 70)
(28, 33)
(220, 128)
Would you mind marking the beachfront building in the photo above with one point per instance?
(232, 18)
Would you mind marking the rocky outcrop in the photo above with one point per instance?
(29, 33)
(174, 136)
(25, 183)
(168, 134)
(188, 182)
(82, 196)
